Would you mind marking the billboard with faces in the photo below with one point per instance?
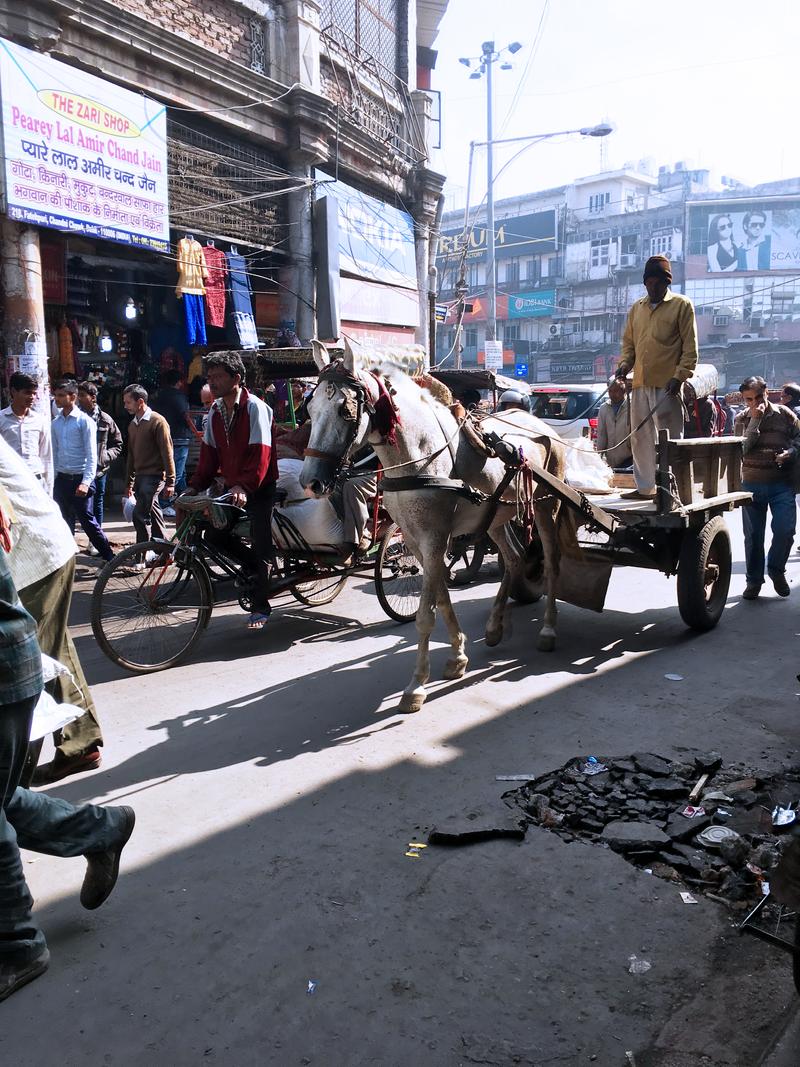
(743, 236)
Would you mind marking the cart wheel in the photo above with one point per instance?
(464, 564)
(704, 574)
(398, 577)
(147, 620)
(321, 591)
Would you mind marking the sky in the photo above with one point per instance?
(710, 82)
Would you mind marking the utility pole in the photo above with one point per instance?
(491, 272)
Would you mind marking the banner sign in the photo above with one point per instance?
(81, 154)
(526, 235)
(494, 355)
(736, 236)
(376, 241)
(531, 305)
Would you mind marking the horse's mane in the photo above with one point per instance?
(426, 383)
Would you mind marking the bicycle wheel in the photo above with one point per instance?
(320, 591)
(464, 564)
(148, 619)
(398, 577)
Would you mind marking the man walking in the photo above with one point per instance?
(109, 443)
(171, 402)
(75, 461)
(26, 430)
(614, 426)
(660, 346)
(151, 466)
(42, 563)
(33, 820)
(771, 446)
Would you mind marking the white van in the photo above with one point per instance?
(569, 409)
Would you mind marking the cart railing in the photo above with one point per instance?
(712, 463)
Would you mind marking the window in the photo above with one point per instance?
(473, 276)
(258, 45)
(510, 271)
(531, 270)
(370, 25)
(470, 337)
(600, 253)
(511, 331)
(661, 244)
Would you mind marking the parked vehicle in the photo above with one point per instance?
(569, 409)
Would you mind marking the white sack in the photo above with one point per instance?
(586, 469)
(315, 520)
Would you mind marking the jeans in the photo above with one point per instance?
(80, 507)
(100, 497)
(40, 823)
(779, 498)
(148, 510)
(180, 453)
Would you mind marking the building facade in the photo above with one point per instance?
(136, 133)
(562, 304)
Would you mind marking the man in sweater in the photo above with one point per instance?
(237, 447)
(151, 466)
(614, 426)
(42, 563)
(771, 445)
(660, 346)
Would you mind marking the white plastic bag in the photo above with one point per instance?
(128, 504)
(48, 716)
(586, 469)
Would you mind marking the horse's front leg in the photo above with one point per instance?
(414, 693)
(546, 524)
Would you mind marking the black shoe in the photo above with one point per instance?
(14, 977)
(780, 584)
(102, 868)
(751, 592)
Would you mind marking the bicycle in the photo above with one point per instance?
(152, 601)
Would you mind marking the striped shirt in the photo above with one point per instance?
(764, 439)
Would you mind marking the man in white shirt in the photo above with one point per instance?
(26, 430)
(42, 564)
(75, 462)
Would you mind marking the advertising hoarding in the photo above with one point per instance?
(526, 235)
(376, 240)
(531, 305)
(81, 154)
(738, 236)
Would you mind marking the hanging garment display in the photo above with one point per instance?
(241, 300)
(215, 285)
(195, 370)
(195, 319)
(66, 351)
(192, 269)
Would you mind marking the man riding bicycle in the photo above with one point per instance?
(237, 449)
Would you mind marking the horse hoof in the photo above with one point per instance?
(410, 702)
(455, 668)
(547, 642)
(494, 637)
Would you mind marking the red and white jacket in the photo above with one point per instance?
(243, 455)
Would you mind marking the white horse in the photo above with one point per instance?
(431, 460)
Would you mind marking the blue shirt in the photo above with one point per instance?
(75, 445)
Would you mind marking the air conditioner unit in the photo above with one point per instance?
(748, 336)
(555, 329)
(629, 259)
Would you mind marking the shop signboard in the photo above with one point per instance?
(80, 154)
(376, 240)
(521, 370)
(494, 355)
(531, 305)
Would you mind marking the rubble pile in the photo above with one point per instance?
(719, 832)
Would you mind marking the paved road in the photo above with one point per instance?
(277, 788)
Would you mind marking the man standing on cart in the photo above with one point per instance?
(660, 346)
(237, 448)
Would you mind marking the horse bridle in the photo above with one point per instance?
(338, 374)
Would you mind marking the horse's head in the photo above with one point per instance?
(340, 412)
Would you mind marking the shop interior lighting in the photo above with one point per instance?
(131, 310)
(106, 343)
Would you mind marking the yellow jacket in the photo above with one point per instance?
(660, 343)
(192, 269)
